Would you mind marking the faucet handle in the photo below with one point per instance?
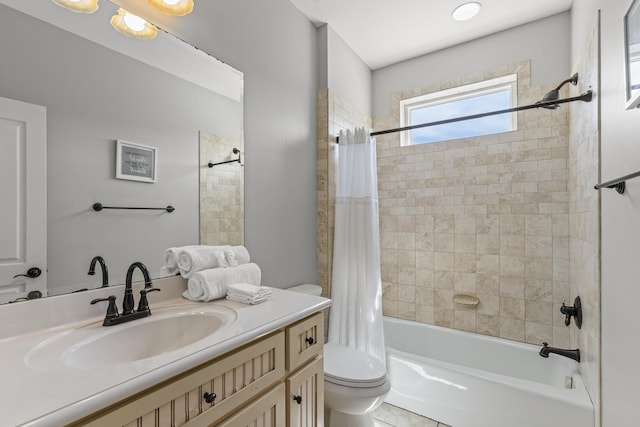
(143, 304)
(575, 311)
(112, 309)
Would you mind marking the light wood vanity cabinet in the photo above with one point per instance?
(274, 381)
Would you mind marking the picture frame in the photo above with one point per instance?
(632, 55)
(136, 162)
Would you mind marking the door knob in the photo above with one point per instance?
(32, 273)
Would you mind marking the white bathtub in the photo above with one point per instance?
(472, 380)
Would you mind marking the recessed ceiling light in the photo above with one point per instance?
(466, 11)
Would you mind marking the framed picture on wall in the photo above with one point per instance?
(632, 54)
(136, 162)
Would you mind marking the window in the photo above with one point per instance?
(489, 95)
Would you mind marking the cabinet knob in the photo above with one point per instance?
(310, 341)
(298, 399)
(209, 397)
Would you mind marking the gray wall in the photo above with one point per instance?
(620, 228)
(348, 76)
(275, 46)
(545, 42)
(94, 96)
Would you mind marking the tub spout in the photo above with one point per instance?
(571, 354)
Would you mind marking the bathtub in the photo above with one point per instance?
(472, 380)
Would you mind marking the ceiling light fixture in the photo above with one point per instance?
(173, 7)
(466, 11)
(133, 26)
(80, 6)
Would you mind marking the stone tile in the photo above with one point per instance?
(465, 319)
(488, 244)
(512, 266)
(512, 329)
(389, 415)
(444, 279)
(444, 261)
(488, 284)
(539, 312)
(465, 262)
(512, 308)
(512, 245)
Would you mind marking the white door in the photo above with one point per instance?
(23, 199)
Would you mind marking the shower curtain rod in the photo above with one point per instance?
(586, 97)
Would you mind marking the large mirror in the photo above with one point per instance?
(95, 92)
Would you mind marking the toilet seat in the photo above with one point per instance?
(349, 367)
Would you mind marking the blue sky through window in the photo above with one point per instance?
(462, 107)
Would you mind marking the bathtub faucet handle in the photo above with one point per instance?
(575, 311)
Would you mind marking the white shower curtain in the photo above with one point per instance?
(356, 311)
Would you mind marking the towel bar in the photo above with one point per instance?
(99, 206)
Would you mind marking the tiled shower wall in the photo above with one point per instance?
(221, 192)
(584, 215)
(488, 216)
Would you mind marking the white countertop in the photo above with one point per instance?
(57, 395)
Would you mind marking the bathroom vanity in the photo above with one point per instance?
(261, 364)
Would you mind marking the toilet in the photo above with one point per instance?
(355, 383)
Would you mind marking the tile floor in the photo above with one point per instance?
(392, 416)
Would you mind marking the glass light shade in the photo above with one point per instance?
(173, 7)
(466, 11)
(133, 26)
(81, 6)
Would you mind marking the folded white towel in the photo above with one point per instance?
(247, 293)
(198, 258)
(246, 299)
(249, 290)
(210, 284)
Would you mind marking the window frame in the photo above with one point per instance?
(453, 94)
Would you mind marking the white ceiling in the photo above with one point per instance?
(384, 32)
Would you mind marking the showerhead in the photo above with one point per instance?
(554, 94)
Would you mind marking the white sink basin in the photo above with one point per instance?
(94, 346)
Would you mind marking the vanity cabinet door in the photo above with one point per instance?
(187, 400)
(305, 396)
(268, 410)
(304, 341)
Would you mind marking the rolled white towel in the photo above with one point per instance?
(210, 284)
(170, 260)
(197, 258)
(241, 254)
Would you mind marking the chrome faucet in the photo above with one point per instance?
(103, 267)
(571, 354)
(128, 313)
